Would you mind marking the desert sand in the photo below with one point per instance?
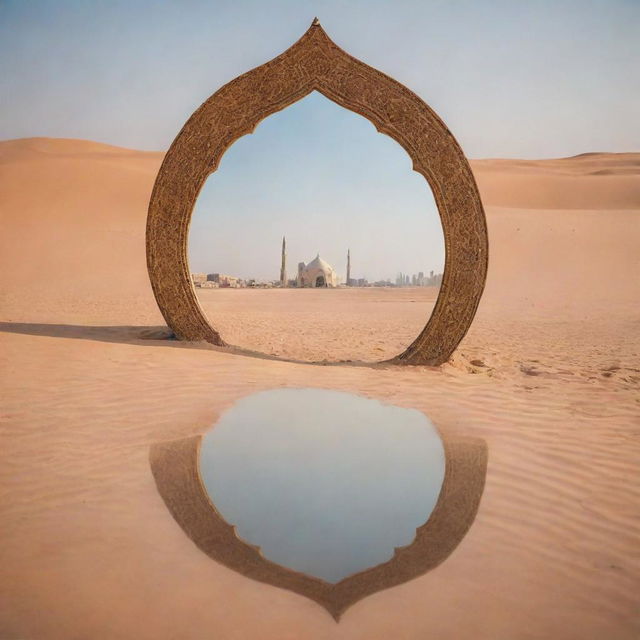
(548, 375)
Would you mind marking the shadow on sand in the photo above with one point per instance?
(157, 336)
(119, 333)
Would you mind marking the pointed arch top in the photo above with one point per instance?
(316, 63)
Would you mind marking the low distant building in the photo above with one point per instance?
(198, 278)
(208, 284)
(225, 281)
(260, 284)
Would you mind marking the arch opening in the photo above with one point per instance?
(316, 198)
(316, 63)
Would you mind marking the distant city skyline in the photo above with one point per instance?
(343, 278)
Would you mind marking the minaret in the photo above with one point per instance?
(283, 264)
(348, 267)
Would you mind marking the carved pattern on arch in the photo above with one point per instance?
(315, 63)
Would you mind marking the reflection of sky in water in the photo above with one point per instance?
(325, 482)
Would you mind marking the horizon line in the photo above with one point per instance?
(164, 151)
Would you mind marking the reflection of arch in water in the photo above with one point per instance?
(315, 63)
(175, 467)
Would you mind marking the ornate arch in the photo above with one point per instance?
(315, 63)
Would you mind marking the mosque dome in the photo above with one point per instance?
(317, 273)
(319, 263)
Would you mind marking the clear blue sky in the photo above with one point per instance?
(543, 78)
(515, 78)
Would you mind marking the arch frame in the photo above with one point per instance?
(316, 63)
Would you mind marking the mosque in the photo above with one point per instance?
(317, 273)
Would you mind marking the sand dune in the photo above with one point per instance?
(588, 181)
(548, 375)
(62, 194)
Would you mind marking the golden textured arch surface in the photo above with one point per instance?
(315, 63)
